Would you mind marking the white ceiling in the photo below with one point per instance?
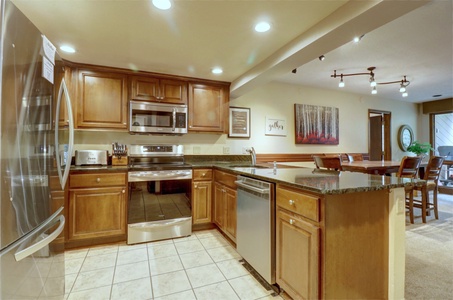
(409, 38)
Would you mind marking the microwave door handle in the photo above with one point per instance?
(174, 119)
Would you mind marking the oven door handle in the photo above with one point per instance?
(174, 119)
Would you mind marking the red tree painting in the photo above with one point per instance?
(316, 124)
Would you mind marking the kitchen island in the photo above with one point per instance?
(337, 234)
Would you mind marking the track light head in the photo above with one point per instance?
(294, 71)
(322, 57)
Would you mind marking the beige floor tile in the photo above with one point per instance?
(138, 289)
(69, 280)
(188, 246)
(248, 288)
(165, 265)
(221, 290)
(232, 268)
(195, 259)
(186, 295)
(73, 254)
(73, 266)
(204, 275)
(102, 293)
(125, 247)
(207, 233)
(185, 239)
(93, 279)
(213, 242)
(131, 272)
(102, 250)
(223, 253)
(170, 283)
(165, 250)
(99, 262)
(132, 256)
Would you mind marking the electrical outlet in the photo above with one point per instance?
(196, 150)
(226, 150)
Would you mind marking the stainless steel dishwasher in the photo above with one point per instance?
(255, 236)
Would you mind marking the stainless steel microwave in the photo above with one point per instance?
(162, 118)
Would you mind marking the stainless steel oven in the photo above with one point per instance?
(159, 205)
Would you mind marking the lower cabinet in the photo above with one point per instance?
(225, 201)
(97, 208)
(201, 196)
(297, 256)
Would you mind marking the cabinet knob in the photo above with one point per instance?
(124, 191)
(291, 202)
(291, 221)
(196, 186)
(203, 175)
(98, 179)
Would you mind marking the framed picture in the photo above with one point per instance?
(316, 124)
(275, 126)
(239, 122)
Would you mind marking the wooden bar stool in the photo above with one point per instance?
(409, 169)
(331, 162)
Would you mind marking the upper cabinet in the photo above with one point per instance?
(208, 107)
(102, 100)
(158, 89)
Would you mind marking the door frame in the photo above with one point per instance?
(387, 142)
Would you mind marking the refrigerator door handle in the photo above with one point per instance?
(42, 243)
(64, 177)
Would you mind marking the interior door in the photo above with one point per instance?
(376, 137)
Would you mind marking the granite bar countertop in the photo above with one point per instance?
(324, 182)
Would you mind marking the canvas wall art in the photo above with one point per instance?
(316, 124)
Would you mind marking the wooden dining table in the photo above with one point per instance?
(377, 167)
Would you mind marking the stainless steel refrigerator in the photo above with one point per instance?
(31, 171)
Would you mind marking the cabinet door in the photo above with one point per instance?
(102, 100)
(230, 222)
(201, 207)
(173, 91)
(219, 206)
(297, 256)
(97, 212)
(208, 108)
(144, 88)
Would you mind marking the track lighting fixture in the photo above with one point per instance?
(403, 83)
(322, 57)
(294, 71)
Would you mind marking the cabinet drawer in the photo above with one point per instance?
(202, 174)
(97, 180)
(225, 178)
(303, 204)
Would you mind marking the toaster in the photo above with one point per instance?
(91, 157)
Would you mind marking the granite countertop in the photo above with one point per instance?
(325, 182)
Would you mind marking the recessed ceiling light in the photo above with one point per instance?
(262, 27)
(217, 71)
(162, 4)
(67, 49)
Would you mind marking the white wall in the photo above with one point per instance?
(277, 100)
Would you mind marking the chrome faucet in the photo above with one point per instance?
(253, 154)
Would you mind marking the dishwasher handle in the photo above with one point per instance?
(252, 188)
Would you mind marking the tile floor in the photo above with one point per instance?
(202, 266)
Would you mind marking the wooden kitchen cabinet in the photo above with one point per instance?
(297, 250)
(208, 107)
(97, 208)
(102, 100)
(225, 203)
(333, 246)
(201, 196)
(157, 89)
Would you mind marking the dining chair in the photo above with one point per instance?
(409, 169)
(431, 176)
(354, 157)
(331, 162)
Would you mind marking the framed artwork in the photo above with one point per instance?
(239, 122)
(316, 124)
(275, 126)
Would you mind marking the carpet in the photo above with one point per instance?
(429, 254)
